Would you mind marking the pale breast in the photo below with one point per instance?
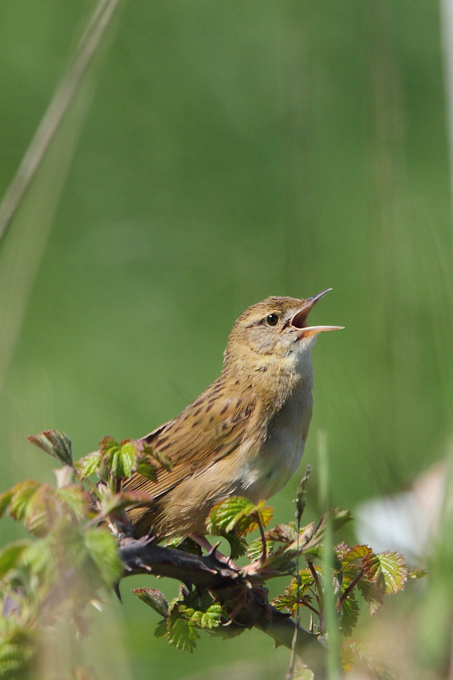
(281, 451)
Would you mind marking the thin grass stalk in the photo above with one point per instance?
(70, 85)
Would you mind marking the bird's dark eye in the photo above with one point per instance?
(272, 319)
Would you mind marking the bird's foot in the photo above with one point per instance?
(203, 542)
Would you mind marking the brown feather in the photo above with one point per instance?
(209, 429)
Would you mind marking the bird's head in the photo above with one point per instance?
(275, 328)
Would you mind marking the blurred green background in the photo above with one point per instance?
(231, 151)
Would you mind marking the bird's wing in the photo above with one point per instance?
(209, 429)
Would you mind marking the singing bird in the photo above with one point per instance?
(246, 433)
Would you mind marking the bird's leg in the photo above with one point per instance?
(243, 597)
(201, 540)
(212, 550)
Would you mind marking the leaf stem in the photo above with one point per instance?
(350, 588)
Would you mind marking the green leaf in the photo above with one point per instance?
(5, 499)
(103, 550)
(159, 457)
(211, 618)
(355, 656)
(128, 453)
(107, 444)
(41, 511)
(121, 458)
(288, 600)
(17, 649)
(303, 674)
(113, 502)
(339, 518)
(10, 556)
(311, 543)
(182, 634)
(349, 614)
(161, 629)
(283, 533)
(256, 549)
(89, 464)
(352, 554)
(55, 444)
(238, 545)
(39, 557)
(76, 499)
(22, 495)
(153, 598)
(147, 469)
(371, 593)
(239, 514)
(417, 573)
(392, 572)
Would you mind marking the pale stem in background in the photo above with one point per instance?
(331, 619)
(447, 41)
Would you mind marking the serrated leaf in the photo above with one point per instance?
(238, 545)
(56, 444)
(89, 464)
(17, 648)
(371, 593)
(358, 552)
(255, 549)
(238, 514)
(211, 618)
(5, 499)
(312, 545)
(41, 511)
(288, 600)
(182, 634)
(113, 502)
(147, 469)
(107, 444)
(303, 674)
(10, 556)
(159, 457)
(22, 495)
(153, 598)
(392, 571)
(38, 557)
(103, 550)
(349, 614)
(340, 518)
(128, 453)
(76, 499)
(161, 629)
(283, 533)
(355, 656)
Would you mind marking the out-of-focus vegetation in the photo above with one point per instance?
(82, 542)
(233, 151)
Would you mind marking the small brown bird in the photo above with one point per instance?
(245, 434)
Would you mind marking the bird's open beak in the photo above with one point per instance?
(300, 319)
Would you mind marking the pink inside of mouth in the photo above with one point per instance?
(299, 321)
